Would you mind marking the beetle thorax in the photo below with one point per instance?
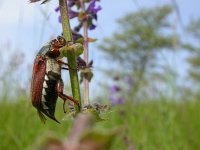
(52, 66)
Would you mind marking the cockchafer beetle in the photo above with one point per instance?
(47, 84)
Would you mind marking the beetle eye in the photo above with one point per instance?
(61, 40)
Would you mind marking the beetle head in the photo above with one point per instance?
(56, 44)
(52, 49)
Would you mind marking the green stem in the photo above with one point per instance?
(65, 20)
(71, 56)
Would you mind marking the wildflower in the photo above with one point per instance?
(72, 14)
(71, 3)
(57, 9)
(114, 89)
(89, 15)
(91, 12)
(92, 9)
(121, 100)
(115, 100)
(92, 27)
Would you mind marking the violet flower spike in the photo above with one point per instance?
(71, 3)
(114, 89)
(113, 100)
(72, 14)
(60, 19)
(92, 9)
(57, 9)
(92, 13)
(92, 27)
(121, 100)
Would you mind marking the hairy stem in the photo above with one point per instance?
(86, 54)
(71, 57)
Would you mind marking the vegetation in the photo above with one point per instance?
(141, 117)
(150, 125)
(137, 46)
(194, 49)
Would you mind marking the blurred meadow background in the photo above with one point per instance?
(146, 68)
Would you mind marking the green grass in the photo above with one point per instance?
(151, 125)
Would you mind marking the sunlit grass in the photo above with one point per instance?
(150, 125)
(20, 125)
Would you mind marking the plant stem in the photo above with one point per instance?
(71, 57)
(86, 54)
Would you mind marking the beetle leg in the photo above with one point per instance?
(70, 68)
(63, 63)
(60, 87)
(64, 68)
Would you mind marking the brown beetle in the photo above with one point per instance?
(47, 83)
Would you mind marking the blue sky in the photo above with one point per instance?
(31, 25)
(28, 26)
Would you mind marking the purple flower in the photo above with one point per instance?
(59, 19)
(91, 8)
(115, 95)
(71, 3)
(92, 27)
(121, 100)
(72, 14)
(90, 14)
(57, 9)
(115, 100)
(114, 89)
